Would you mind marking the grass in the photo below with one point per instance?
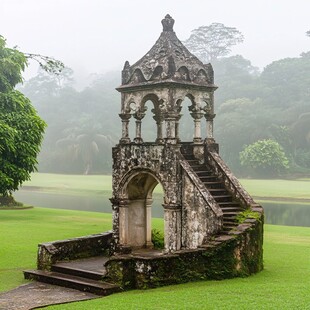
(274, 190)
(294, 190)
(284, 284)
(69, 184)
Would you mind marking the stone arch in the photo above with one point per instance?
(156, 113)
(185, 125)
(136, 189)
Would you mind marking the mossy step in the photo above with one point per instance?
(75, 282)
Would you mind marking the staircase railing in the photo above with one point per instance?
(210, 201)
(231, 182)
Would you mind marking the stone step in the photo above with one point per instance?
(78, 283)
(217, 191)
(229, 204)
(213, 184)
(207, 178)
(229, 215)
(199, 168)
(222, 198)
(227, 228)
(229, 221)
(228, 209)
(63, 268)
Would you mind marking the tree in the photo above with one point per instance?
(213, 41)
(285, 82)
(308, 33)
(21, 129)
(264, 158)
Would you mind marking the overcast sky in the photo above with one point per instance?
(95, 36)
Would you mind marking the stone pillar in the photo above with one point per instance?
(197, 131)
(125, 131)
(148, 205)
(172, 219)
(138, 116)
(170, 127)
(115, 219)
(177, 127)
(209, 119)
(159, 123)
(123, 221)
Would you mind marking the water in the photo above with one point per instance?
(288, 214)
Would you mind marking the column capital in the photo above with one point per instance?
(209, 117)
(172, 206)
(125, 116)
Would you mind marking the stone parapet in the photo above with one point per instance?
(82, 247)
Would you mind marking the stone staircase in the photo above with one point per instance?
(85, 275)
(221, 195)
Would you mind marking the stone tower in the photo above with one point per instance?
(201, 196)
(213, 228)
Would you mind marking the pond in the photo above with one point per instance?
(289, 214)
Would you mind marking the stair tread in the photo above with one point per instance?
(71, 278)
(228, 203)
(89, 266)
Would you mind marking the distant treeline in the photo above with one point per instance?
(250, 106)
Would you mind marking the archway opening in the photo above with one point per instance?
(136, 221)
(186, 123)
(149, 132)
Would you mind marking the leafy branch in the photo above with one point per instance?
(48, 64)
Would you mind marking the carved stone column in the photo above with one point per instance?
(209, 119)
(138, 116)
(125, 132)
(197, 123)
(172, 218)
(123, 221)
(159, 123)
(170, 127)
(177, 127)
(115, 219)
(148, 205)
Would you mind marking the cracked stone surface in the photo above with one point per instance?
(36, 294)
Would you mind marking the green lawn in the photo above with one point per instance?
(100, 184)
(287, 189)
(284, 284)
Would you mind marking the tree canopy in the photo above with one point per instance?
(211, 42)
(21, 129)
(264, 158)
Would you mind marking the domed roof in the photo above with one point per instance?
(167, 61)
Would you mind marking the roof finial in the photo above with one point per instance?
(168, 23)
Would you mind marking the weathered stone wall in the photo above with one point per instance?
(137, 169)
(159, 160)
(191, 214)
(199, 221)
(238, 254)
(82, 247)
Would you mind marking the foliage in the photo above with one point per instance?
(265, 157)
(308, 33)
(303, 158)
(286, 82)
(249, 105)
(158, 239)
(211, 42)
(247, 214)
(82, 125)
(48, 64)
(21, 129)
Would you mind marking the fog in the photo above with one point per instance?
(95, 36)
